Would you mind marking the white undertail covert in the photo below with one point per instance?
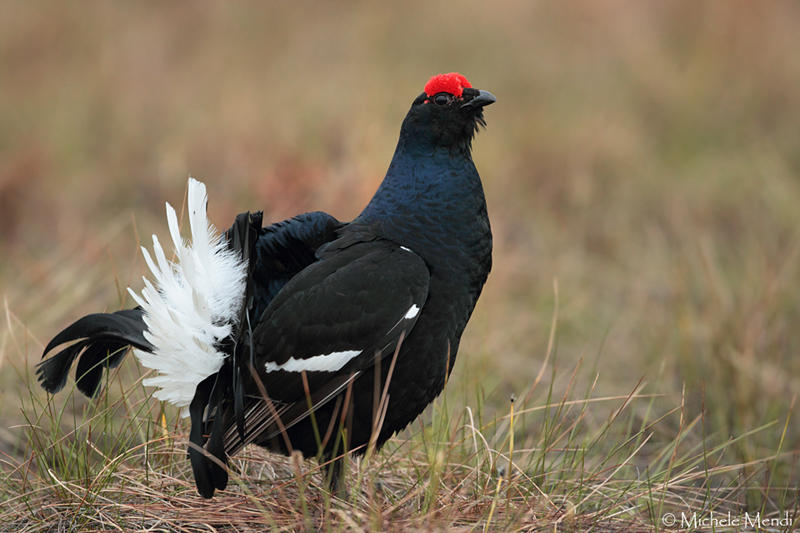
(192, 304)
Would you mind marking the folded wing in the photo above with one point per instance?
(330, 323)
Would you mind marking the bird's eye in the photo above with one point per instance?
(442, 99)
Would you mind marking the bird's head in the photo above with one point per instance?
(448, 113)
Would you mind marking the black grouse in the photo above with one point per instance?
(310, 334)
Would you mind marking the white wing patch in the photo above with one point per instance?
(330, 362)
(412, 312)
(193, 304)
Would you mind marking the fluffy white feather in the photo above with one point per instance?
(191, 305)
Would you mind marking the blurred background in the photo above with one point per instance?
(644, 156)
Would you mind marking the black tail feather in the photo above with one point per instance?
(242, 238)
(103, 339)
(238, 402)
(219, 474)
(53, 373)
(89, 371)
(216, 408)
(200, 464)
(215, 395)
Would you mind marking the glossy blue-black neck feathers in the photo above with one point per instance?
(432, 167)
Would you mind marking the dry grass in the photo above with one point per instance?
(644, 154)
(121, 465)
